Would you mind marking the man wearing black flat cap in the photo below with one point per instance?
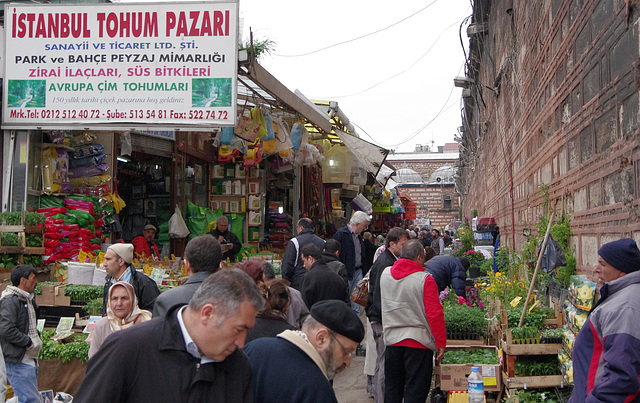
(298, 365)
(606, 354)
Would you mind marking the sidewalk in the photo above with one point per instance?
(351, 384)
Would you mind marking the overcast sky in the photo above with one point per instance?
(395, 85)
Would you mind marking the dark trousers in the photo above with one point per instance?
(407, 374)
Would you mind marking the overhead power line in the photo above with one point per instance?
(359, 37)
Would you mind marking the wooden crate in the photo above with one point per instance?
(22, 248)
(509, 348)
(469, 343)
(524, 382)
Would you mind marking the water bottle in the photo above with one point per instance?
(476, 386)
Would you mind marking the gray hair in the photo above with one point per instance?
(310, 323)
(359, 217)
(227, 290)
(222, 219)
(412, 249)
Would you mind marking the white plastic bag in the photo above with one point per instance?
(177, 226)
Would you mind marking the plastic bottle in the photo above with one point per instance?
(476, 386)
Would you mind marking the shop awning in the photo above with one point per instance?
(254, 75)
(370, 156)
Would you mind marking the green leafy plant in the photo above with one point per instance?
(10, 239)
(33, 260)
(537, 365)
(78, 348)
(10, 218)
(484, 356)
(464, 319)
(83, 292)
(33, 240)
(552, 333)
(94, 307)
(8, 261)
(33, 218)
(531, 396)
(525, 332)
(260, 47)
(535, 318)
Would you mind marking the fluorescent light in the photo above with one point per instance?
(123, 159)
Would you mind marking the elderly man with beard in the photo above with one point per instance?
(308, 359)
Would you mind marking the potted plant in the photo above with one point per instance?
(525, 335)
(476, 259)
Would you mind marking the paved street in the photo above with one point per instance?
(350, 385)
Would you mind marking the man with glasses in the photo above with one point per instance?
(413, 326)
(298, 366)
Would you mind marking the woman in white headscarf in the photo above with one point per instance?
(122, 312)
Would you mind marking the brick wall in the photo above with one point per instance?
(429, 198)
(555, 104)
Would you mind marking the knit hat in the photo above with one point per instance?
(124, 250)
(338, 316)
(150, 226)
(622, 254)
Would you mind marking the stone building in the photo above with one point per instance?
(551, 100)
(428, 179)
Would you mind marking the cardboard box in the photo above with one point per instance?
(454, 376)
(53, 295)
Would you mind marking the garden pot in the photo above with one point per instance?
(474, 272)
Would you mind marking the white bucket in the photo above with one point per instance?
(81, 273)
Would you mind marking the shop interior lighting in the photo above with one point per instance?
(122, 158)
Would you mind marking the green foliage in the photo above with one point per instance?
(38, 290)
(532, 396)
(260, 47)
(94, 307)
(537, 365)
(8, 261)
(462, 318)
(33, 240)
(33, 260)
(10, 218)
(525, 332)
(10, 239)
(164, 288)
(534, 318)
(83, 292)
(484, 356)
(552, 333)
(33, 219)
(564, 273)
(465, 243)
(78, 348)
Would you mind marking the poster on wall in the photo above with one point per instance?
(131, 65)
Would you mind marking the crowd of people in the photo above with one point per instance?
(243, 334)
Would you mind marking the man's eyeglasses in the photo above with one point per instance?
(350, 355)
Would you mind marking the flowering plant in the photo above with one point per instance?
(473, 256)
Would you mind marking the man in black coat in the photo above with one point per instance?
(117, 262)
(330, 257)
(292, 268)
(320, 283)
(449, 271)
(393, 247)
(190, 355)
(201, 258)
(228, 240)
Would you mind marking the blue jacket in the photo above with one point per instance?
(292, 268)
(347, 249)
(448, 271)
(606, 354)
(282, 372)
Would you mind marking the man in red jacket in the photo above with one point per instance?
(144, 245)
(413, 326)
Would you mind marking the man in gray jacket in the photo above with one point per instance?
(330, 257)
(292, 268)
(19, 335)
(201, 258)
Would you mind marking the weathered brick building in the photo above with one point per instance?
(551, 99)
(437, 200)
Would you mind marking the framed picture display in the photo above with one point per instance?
(137, 192)
(150, 209)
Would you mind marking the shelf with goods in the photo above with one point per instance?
(237, 190)
(19, 241)
(516, 352)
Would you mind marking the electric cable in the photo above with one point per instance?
(360, 37)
